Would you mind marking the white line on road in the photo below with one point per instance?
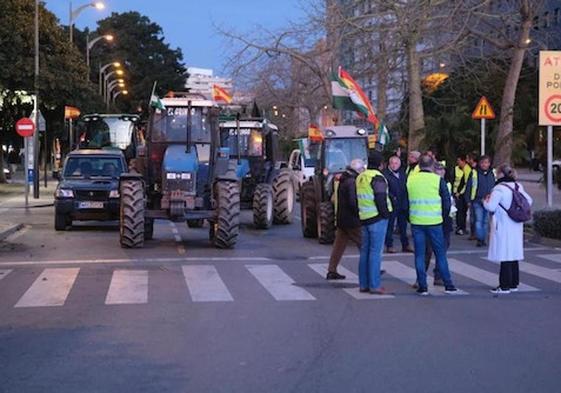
(482, 276)
(17, 234)
(4, 273)
(128, 287)
(205, 285)
(278, 283)
(551, 257)
(321, 269)
(51, 288)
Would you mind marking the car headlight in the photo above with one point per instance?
(63, 193)
(114, 194)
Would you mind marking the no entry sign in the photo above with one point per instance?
(550, 88)
(25, 127)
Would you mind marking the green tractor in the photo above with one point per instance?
(183, 175)
(340, 145)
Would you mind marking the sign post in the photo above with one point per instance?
(550, 106)
(25, 127)
(483, 111)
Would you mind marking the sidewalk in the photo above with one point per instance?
(533, 186)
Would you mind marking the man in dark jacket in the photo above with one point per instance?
(347, 222)
(480, 183)
(397, 186)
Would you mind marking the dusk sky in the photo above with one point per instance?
(188, 24)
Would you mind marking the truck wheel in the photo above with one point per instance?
(148, 228)
(195, 223)
(284, 197)
(132, 214)
(224, 233)
(308, 210)
(263, 210)
(61, 222)
(326, 223)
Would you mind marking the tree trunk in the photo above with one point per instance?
(416, 112)
(382, 93)
(504, 141)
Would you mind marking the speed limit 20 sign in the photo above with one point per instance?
(550, 88)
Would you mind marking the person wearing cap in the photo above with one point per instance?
(346, 216)
(398, 193)
(413, 162)
(374, 207)
(429, 203)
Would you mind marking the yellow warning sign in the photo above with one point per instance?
(483, 110)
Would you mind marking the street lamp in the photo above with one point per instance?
(111, 85)
(90, 44)
(102, 70)
(117, 94)
(73, 14)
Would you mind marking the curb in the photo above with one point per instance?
(10, 231)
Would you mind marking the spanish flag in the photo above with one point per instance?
(221, 94)
(314, 133)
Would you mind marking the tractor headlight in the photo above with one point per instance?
(64, 193)
(173, 176)
(185, 176)
(114, 194)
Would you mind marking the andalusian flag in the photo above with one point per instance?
(220, 94)
(383, 135)
(155, 102)
(347, 94)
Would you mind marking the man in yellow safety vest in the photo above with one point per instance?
(461, 175)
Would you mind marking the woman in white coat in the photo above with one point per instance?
(506, 245)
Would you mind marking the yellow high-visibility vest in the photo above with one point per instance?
(365, 194)
(425, 203)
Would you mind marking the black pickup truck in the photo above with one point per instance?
(88, 188)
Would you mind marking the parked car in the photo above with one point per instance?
(88, 187)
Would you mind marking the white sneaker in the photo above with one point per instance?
(499, 290)
(515, 289)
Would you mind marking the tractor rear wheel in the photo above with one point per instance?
(132, 214)
(284, 197)
(224, 231)
(263, 210)
(196, 223)
(308, 210)
(326, 223)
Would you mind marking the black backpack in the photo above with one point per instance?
(519, 210)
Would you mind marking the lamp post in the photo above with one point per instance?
(117, 94)
(117, 72)
(90, 45)
(73, 14)
(112, 86)
(102, 70)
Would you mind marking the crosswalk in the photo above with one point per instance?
(212, 283)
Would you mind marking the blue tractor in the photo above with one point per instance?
(267, 184)
(182, 174)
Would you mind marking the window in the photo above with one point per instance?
(170, 125)
(545, 22)
(557, 16)
(93, 166)
(536, 22)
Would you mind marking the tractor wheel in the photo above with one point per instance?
(61, 222)
(326, 223)
(285, 195)
(132, 214)
(308, 210)
(263, 210)
(148, 228)
(195, 223)
(224, 233)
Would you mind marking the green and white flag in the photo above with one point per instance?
(341, 98)
(383, 135)
(155, 102)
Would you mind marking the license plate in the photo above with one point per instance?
(90, 205)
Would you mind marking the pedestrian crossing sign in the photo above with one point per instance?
(483, 110)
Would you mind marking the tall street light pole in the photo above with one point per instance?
(36, 107)
(117, 72)
(73, 14)
(90, 45)
(102, 70)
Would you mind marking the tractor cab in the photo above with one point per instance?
(110, 131)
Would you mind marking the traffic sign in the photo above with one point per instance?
(550, 88)
(483, 110)
(25, 127)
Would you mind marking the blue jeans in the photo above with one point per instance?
(481, 221)
(435, 235)
(371, 254)
(401, 217)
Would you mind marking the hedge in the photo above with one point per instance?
(547, 223)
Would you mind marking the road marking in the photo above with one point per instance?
(51, 288)
(205, 285)
(278, 283)
(352, 279)
(409, 275)
(178, 239)
(542, 272)
(4, 273)
(482, 276)
(128, 287)
(551, 257)
(17, 234)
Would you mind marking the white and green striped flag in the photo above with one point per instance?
(383, 135)
(155, 102)
(341, 97)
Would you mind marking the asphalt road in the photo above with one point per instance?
(80, 314)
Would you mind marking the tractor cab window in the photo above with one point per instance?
(170, 125)
(340, 152)
(250, 141)
(105, 132)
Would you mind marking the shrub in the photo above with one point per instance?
(547, 223)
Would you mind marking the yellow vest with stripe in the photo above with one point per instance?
(458, 174)
(413, 171)
(367, 208)
(474, 184)
(425, 203)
